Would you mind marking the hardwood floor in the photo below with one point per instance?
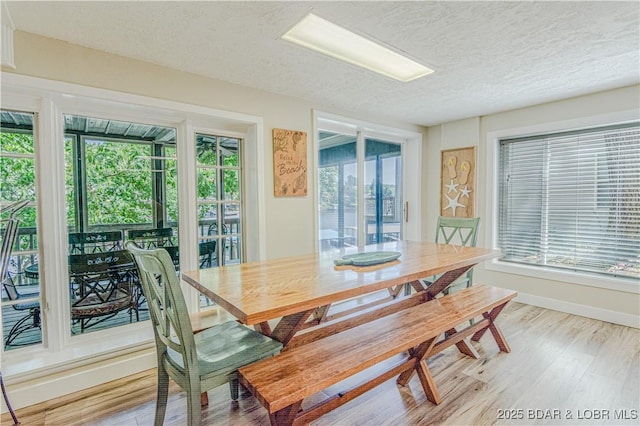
(563, 370)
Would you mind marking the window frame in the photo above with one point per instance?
(128, 345)
(624, 284)
(32, 204)
(411, 155)
(219, 202)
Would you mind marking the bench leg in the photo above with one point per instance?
(286, 416)
(426, 380)
(463, 345)
(495, 331)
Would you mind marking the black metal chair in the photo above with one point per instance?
(156, 238)
(8, 240)
(31, 319)
(32, 306)
(208, 254)
(95, 242)
(102, 285)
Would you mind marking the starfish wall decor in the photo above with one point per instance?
(458, 182)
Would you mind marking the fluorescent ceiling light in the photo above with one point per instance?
(323, 36)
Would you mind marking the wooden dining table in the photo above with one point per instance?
(296, 293)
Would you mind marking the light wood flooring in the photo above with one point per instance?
(563, 369)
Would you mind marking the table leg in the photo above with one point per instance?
(263, 328)
(286, 416)
(444, 280)
(289, 326)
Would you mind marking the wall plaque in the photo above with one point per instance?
(457, 182)
(289, 163)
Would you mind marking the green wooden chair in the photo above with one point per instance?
(458, 231)
(462, 232)
(195, 362)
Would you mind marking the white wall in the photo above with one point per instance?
(609, 305)
(290, 221)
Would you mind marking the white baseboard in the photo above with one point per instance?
(615, 317)
(56, 385)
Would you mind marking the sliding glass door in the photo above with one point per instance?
(360, 190)
(338, 192)
(383, 191)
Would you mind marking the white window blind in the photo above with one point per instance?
(572, 200)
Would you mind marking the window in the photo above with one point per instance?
(21, 295)
(219, 201)
(79, 155)
(571, 200)
(121, 184)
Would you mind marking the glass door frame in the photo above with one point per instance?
(411, 154)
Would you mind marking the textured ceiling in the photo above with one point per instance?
(487, 56)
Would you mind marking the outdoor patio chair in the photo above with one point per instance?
(208, 254)
(102, 285)
(94, 242)
(31, 319)
(197, 362)
(156, 238)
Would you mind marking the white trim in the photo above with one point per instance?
(35, 85)
(615, 317)
(187, 211)
(7, 37)
(254, 190)
(351, 126)
(27, 393)
(627, 285)
(61, 354)
(491, 209)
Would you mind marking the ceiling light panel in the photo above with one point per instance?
(326, 37)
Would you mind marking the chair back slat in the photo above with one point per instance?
(9, 235)
(167, 307)
(99, 262)
(459, 231)
(8, 240)
(94, 242)
(10, 288)
(151, 238)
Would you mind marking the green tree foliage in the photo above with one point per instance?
(119, 183)
(18, 174)
(119, 178)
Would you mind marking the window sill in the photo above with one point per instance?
(30, 363)
(627, 285)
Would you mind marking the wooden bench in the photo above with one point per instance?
(281, 383)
